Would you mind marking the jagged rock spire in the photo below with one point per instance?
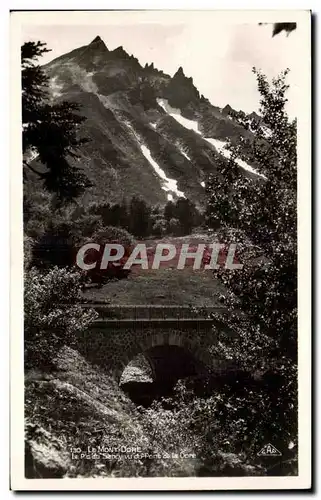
(98, 42)
(149, 66)
(180, 72)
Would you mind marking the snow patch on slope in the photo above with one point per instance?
(220, 146)
(186, 156)
(168, 185)
(193, 125)
(177, 115)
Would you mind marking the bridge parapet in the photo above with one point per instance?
(152, 312)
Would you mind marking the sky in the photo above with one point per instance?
(218, 56)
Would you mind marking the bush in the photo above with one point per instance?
(110, 234)
(52, 316)
(159, 227)
(242, 419)
(62, 238)
(103, 236)
(224, 431)
(111, 215)
(174, 227)
(56, 247)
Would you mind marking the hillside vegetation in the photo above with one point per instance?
(78, 407)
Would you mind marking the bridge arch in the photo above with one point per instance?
(170, 355)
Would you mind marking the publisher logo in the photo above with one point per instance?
(269, 450)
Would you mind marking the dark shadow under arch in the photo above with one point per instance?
(168, 364)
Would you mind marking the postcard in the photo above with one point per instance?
(160, 250)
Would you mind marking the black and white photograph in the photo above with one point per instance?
(161, 196)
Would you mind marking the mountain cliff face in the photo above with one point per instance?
(150, 134)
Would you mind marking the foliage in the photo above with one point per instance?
(60, 239)
(37, 211)
(111, 234)
(262, 297)
(174, 227)
(111, 215)
(52, 316)
(231, 426)
(57, 246)
(103, 236)
(159, 227)
(169, 210)
(171, 444)
(83, 406)
(139, 217)
(27, 251)
(50, 131)
(143, 220)
(185, 212)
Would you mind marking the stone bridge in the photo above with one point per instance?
(174, 339)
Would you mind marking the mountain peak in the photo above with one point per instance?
(180, 72)
(227, 109)
(98, 42)
(120, 50)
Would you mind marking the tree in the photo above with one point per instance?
(174, 227)
(50, 131)
(159, 228)
(111, 215)
(52, 316)
(119, 215)
(139, 217)
(62, 237)
(262, 297)
(56, 247)
(103, 236)
(169, 211)
(185, 213)
(220, 212)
